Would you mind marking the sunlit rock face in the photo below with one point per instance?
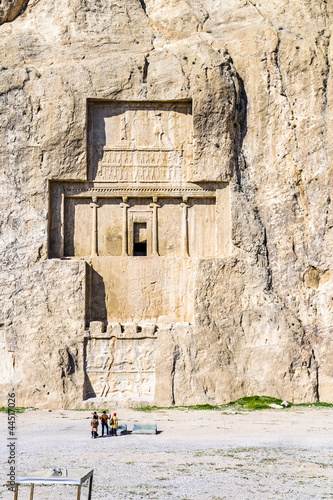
(166, 221)
(9, 9)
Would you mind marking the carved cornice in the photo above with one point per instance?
(109, 190)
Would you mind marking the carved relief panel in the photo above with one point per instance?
(139, 141)
(120, 368)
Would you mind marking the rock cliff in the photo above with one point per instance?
(257, 74)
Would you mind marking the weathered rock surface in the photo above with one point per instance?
(260, 309)
(9, 9)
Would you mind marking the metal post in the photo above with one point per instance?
(90, 487)
(32, 491)
(79, 492)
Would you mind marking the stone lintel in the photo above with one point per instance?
(145, 190)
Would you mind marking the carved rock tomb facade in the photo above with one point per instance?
(141, 226)
(139, 271)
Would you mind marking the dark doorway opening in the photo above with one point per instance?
(140, 239)
(140, 249)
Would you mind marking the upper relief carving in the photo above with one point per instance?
(9, 9)
(140, 141)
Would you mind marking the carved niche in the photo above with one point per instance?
(139, 141)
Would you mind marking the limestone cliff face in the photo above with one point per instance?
(9, 9)
(259, 77)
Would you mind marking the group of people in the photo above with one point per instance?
(106, 421)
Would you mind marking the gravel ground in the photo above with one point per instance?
(206, 455)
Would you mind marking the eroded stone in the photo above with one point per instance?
(171, 190)
(9, 9)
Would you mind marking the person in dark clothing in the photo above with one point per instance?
(104, 420)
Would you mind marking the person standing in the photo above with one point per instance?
(94, 425)
(114, 424)
(104, 421)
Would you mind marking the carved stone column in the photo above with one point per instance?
(94, 205)
(185, 226)
(125, 207)
(155, 206)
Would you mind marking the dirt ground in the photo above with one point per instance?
(206, 455)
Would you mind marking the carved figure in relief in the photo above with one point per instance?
(158, 129)
(124, 128)
(104, 387)
(99, 363)
(107, 366)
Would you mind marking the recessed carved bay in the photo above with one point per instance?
(120, 368)
(138, 221)
(112, 228)
(139, 141)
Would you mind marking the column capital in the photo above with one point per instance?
(154, 205)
